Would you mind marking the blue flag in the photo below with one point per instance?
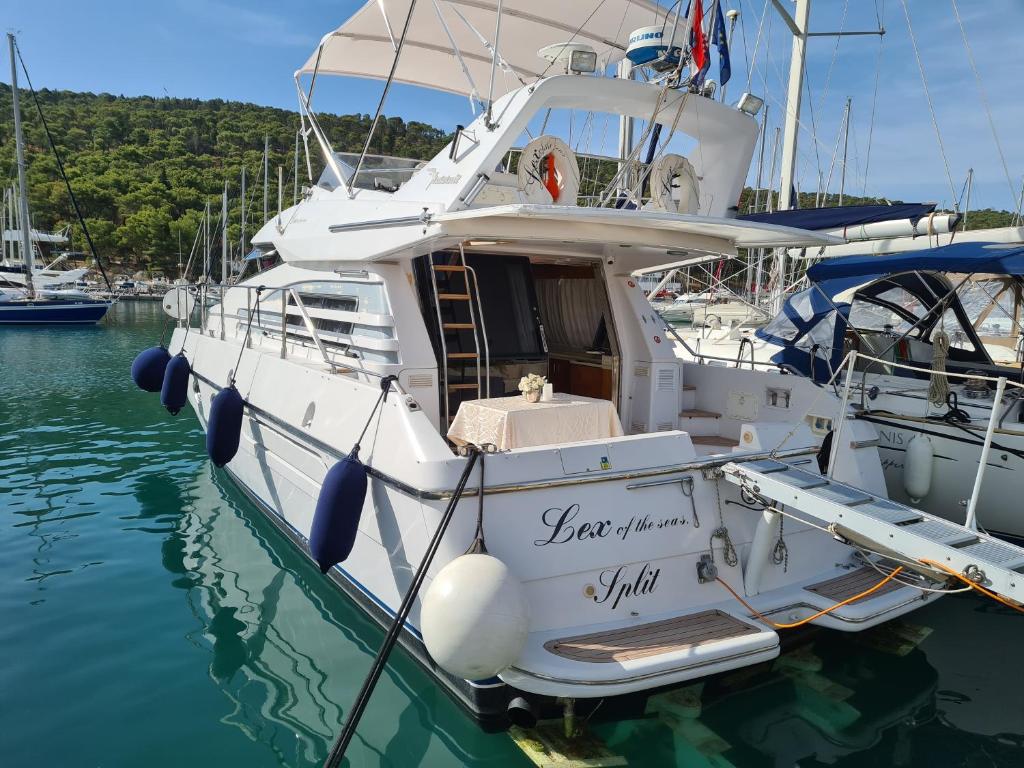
(720, 39)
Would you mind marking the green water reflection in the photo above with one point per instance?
(151, 616)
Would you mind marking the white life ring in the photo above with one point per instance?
(548, 172)
(674, 185)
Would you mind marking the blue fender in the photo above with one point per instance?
(148, 368)
(174, 391)
(224, 426)
(338, 509)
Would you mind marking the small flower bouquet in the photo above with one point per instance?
(531, 386)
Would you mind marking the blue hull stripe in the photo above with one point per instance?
(52, 312)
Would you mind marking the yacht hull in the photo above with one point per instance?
(52, 312)
(606, 551)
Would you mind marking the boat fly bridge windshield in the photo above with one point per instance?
(366, 393)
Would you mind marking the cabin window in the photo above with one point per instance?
(895, 310)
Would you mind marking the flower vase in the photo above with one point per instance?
(533, 396)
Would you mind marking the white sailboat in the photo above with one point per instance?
(634, 521)
(21, 303)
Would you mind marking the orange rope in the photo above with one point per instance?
(819, 614)
(968, 582)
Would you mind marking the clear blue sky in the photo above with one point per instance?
(247, 51)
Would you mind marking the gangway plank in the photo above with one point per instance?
(885, 526)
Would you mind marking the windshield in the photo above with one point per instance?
(381, 172)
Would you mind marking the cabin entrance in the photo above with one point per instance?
(493, 319)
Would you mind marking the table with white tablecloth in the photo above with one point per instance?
(513, 422)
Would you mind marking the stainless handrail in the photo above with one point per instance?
(700, 357)
(483, 331)
(309, 327)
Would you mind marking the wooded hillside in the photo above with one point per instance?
(143, 168)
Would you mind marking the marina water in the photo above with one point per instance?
(150, 616)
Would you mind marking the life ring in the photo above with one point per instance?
(548, 172)
(674, 185)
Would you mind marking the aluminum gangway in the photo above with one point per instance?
(914, 538)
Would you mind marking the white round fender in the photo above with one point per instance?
(474, 617)
(917, 467)
(179, 302)
(674, 185)
(548, 172)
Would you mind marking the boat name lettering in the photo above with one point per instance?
(617, 584)
(563, 530)
(438, 178)
(892, 437)
(563, 526)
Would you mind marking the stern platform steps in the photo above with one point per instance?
(928, 544)
(634, 654)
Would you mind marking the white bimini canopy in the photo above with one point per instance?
(364, 46)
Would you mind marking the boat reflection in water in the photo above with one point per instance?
(844, 701)
(289, 651)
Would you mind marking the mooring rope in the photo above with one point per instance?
(938, 385)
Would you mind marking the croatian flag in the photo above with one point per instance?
(698, 43)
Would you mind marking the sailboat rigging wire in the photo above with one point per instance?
(383, 97)
(814, 126)
(835, 53)
(757, 45)
(984, 100)
(931, 105)
(63, 174)
(874, 95)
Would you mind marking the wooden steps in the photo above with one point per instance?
(653, 639)
(853, 583)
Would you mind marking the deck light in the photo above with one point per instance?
(750, 104)
(575, 58)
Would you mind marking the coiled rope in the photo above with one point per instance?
(938, 385)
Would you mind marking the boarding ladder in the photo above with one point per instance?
(461, 327)
(887, 527)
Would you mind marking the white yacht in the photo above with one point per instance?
(633, 522)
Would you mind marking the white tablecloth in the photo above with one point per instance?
(512, 422)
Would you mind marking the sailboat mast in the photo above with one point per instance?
(846, 147)
(19, 141)
(295, 172)
(224, 240)
(801, 17)
(266, 178)
(241, 251)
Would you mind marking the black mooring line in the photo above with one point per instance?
(363, 697)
